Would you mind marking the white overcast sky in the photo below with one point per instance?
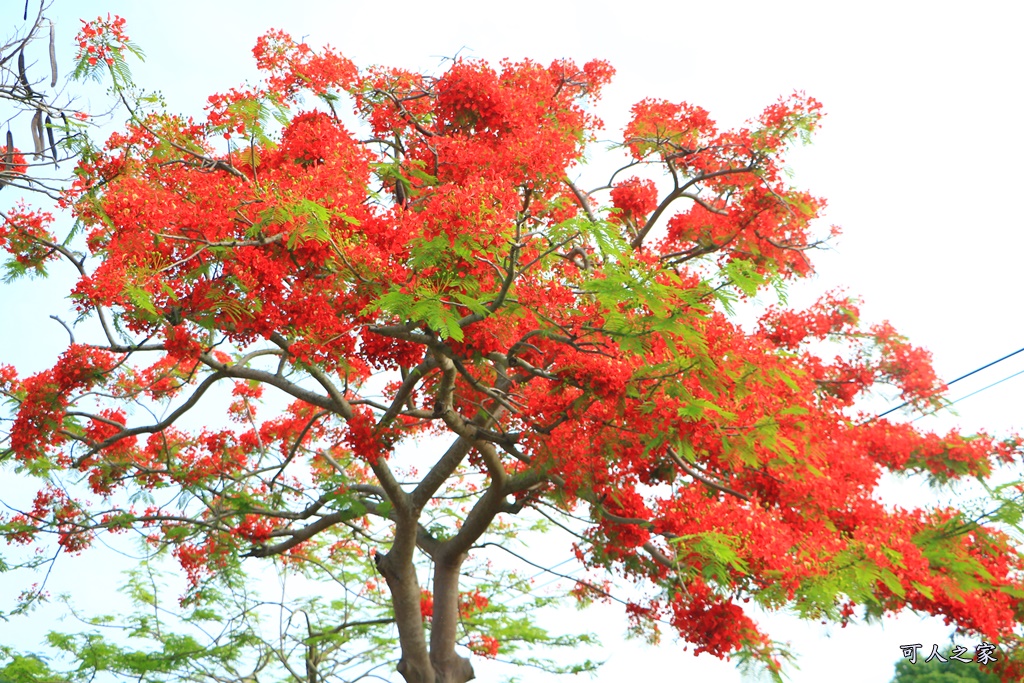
(919, 157)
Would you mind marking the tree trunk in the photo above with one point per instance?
(439, 664)
(449, 666)
(400, 573)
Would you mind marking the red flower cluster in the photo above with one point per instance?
(12, 161)
(832, 315)
(199, 560)
(53, 507)
(635, 198)
(101, 40)
(716, 624)
(25, 233)
(254, 528)
(37, 427)
(909, 367)
(295, 66)
(484, 645)
(472, 602)
(674, 131)
(426, 604)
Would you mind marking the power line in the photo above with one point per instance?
(983, 367)
(951, 382)
(973, 393)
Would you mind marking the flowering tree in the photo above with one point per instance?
(465, 338)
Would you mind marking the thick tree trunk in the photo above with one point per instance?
(456, 669)
(449, 666)
(400, 573)
(439, 664)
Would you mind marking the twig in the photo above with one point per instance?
(70, 333)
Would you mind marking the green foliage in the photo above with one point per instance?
(717, 552)
(224, 634)
(255, 114)
(936, 671)
(224, 630)
(25, 669)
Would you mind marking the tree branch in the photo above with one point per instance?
(701, 478)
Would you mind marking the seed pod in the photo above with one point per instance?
(8, 158)
(21, 69)
(399, 193)
(37, 133)
(53, 56)
(25, 17)
(53, 145)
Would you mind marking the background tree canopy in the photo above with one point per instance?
(941, 672)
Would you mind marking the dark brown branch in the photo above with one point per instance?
(205, 162)
(701, 478)
(410, 380)
(341, 406)
(275, 380)
(582, 199)
(483, 511)
(405, 112)
(159, 426)
(300, 535)
(676, 194)
(298, 443)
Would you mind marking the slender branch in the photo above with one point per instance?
(582, 199)
(159, 426)
(411, 379)
(276, 380)
(205, 162)
(65, 326)
(295, 446)
(672, 196)
(701, 478)
(300, 535)
(351, 624)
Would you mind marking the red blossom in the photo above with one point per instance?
(426, 604)
(635, 198)
(12, 161)
(101, 39)
(484, 645)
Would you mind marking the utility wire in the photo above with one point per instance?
(951, 382)
(973, 393)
